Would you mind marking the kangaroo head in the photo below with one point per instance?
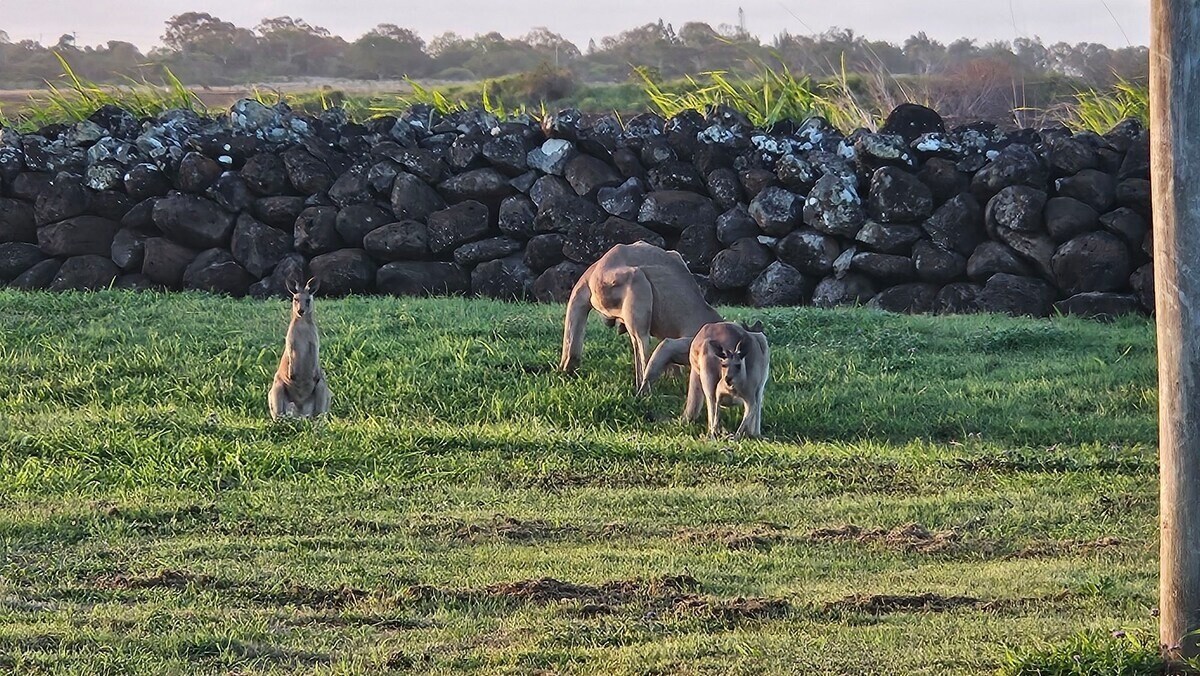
(733, 364)
(302, 297)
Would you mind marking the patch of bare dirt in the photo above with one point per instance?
(758, 536)
(290, 593)
(911, 537)
(512, 529)
(295, 594)
(880, 604)
(1060, 547)
(732, 610)
(374, 621)
(187, 517)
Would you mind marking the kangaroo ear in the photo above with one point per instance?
(756, 328)
(740, 350)
(313, 284)
(292, 286)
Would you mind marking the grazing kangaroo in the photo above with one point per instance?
(646, 292)
(730, 363)
(300, 388)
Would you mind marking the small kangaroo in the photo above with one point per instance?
(300, 388)
(730, 363)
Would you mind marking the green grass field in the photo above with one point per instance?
(934, 495)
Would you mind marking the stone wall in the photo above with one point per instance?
(914, 218)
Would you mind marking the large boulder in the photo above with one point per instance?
(258, 247)
(918, 298)
(588, 242)
(78, 236)
(164, 261)
(355, 221)
(454, 226)
(992, 258)
(40, 276)
(63, 198)
(1093, 187)
(935, 264)
(587, 175)
(413, 199)
(834, 207)
(422, 278)
(1099, 305)
(889, 238)
(897, 196)
(307, 174)
(849, 289)
(909, 121)
(517, 215)
(480, 185)
(699, 245)
(193, 221)
(725, 188)
(1035, 247)
(1142, 281)
(404, 240)
(887, 268)
(216, 271)
(676, 210)
(1095, 261)
(622, 201)
(128, 249)
(1013, 295)
(16, 258)
(266, 175)
(781, 284)
(279, 212)
(957, 225)
(1015, 165)
(344, 272)
(944, 179)
(503, 279)
(777, 211)
(85, 273)
(1126, 224)
(484, 250)
(739, 265)
(562, 213)
(736, 224)
(959, 298)
(196, 173)
(316, 231)
(1017, 207)
(544, 251)
(17, 223)
(290, 270)
(556, 283)
(809, 251)
(1067, 217)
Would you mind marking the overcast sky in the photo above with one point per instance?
(1114, 22)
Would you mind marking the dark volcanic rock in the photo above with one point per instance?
(809, 251)
(279, 212)
(143, 181)
(164, 261)
(78, 236)
(918, 298)
(231, 193)
(699, 245)
(452, 227)
(1067, 217)
(307, 174)
(587, 175)
(266, 175)
(1099, 305)
(781, 285)
(736, 224)
(16, 258)
(850, 289)
(517, 215)
(585, 243)
(725, 188)
(65, 197)
(17, 223)
(889, 238)
(676, 210)
(422, 278)
(481, 185)
(405, 240)
(1127, 224)
(1095, 261)
(909, 121)
(40, 276)
(887, 268)
(504, 279)
(834, 207)
(1090, 186)
(316, 231)
(85, 273)
(943, 178)
(739, 265)
(193, 221)
(1016, 207)
(413, 199)
(289, 270)
(216, 271)
(486, 250)
(556, 283)
(544, 251)
(992, 258)
(623, 201)
(935, 264)
(1015, 165)
(957, 299)
(344, 272)
(355, 221)
(777, 211)
(128, 249)
(897, 196)
(562, 213)
(675, 175)
(1012, 295)
(1142, 281)
(957, 225)
(258, 247)
(196, 173)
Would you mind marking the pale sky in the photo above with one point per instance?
(1116, 23)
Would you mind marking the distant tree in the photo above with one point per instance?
(296, 47)
(199, 35)
(4, 39)
(556, 49)
(388, 51)
(925, 55)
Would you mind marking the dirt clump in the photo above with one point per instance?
(910, 537)
(880, 604)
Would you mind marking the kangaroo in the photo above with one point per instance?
(729, 362)
(300, 388)
(642, 290)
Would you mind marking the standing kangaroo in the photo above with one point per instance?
(730, 362)
(644, 290)
(300, 388)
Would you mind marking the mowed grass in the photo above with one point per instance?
(934, 495)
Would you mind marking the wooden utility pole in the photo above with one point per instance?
(1175, 178)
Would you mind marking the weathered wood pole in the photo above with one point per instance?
(1175, 177)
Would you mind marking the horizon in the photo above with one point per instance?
(1114, 23)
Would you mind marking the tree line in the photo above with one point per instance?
(203, 49)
